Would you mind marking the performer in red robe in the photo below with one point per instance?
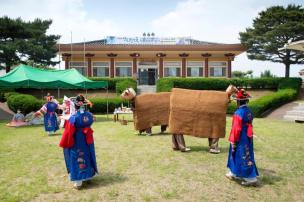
(241, 163)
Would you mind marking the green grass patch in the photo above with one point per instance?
(142, 168)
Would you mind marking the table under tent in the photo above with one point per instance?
(24, 76)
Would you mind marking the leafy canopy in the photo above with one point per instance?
(22, 41)
(271, 30)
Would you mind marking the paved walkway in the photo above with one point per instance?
(5, 112)
(281, 111)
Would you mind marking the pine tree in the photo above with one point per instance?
(21, 41)
(272, 29)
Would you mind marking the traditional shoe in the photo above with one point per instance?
(175, 149)
(214, 151)
(232, 177)
(77, 184)
(249, 183)
(149, 134)
(186, 149)
(229, 176)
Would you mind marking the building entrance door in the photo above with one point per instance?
(147, 76)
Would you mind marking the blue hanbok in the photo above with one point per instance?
(50, 118)
(78, 147)
(241, 156)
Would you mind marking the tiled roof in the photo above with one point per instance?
(104, 42)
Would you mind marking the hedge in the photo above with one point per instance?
(100, 104)
(112, 82)
(122, 85)
(266, 103)
(26, 103)
(166, 84)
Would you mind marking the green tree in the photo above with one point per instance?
(241, 74)
(21, 41)
(271, 30)
(267, 74)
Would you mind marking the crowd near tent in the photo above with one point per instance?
(24, 76)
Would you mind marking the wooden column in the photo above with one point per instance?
(112, 65)
(184, 66)
(206, 56)
(161, 64)
(89, 68)
(230, 57)
(67, 63)
(206, 67)
(67, 58)
(229, 68)
(134, 67)
(161, 68)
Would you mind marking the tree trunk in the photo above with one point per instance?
(7, 68)
(287, 70)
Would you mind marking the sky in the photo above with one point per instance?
(207, 20)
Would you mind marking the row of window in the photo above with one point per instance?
(171, 69)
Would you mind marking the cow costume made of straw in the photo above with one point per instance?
(204, 115)
(148, 110)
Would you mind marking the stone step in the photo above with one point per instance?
(293, 118)
(295, 111)
(143, 89)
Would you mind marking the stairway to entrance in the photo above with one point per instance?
(143, 89)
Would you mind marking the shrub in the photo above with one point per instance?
(26, 103)
(3, 92)
(270, 102)
(166, 84)
(100, 104)
(292, 83)
(112, 81)
(122, 85)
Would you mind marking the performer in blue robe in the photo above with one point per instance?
(241, 163)
(50, 117)
(78, 145)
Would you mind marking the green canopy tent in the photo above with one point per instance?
(24, 76)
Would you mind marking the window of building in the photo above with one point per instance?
(172, 69)
(82, 67)
(123, 69)
(217, 69)
(100, 69)
(195, 69)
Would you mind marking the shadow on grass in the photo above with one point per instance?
(104, 179)
(268, 177)
(206, 148)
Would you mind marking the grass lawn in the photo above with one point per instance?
(141, 168)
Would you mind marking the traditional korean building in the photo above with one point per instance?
(150, 58)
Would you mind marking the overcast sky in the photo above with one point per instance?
(206, 20)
